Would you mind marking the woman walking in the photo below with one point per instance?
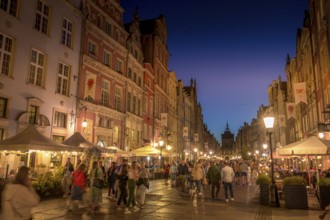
(122, 185)
(111, 174)
(97, 180)
(18, 198)
(143, 183)
(197, 174)
(79, 183)
(132, 178)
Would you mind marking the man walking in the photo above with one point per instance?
(213, 175)
(182, 172)
(227, 176)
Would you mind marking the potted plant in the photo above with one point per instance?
(324, 186)
(264, 181)
(295, 192)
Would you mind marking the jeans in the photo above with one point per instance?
(215, 185)
(228, 187)
(198, 185)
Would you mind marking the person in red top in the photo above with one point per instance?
(78, 186)
(166, 172)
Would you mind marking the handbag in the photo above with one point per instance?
(98, 183)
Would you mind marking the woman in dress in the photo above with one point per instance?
(96, 175)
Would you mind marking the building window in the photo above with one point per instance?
(9, 6)
(57, 139)
(63, 79)
(134, 105)
(42, 17)
(3, 107)
(117, 99)
(60, 120)
(66, 33)
(129, 102)
(139, 107)
(33, 113)
(139, 81)
(119, 66)
(92, 48)
(37, 68)
(134, 77)
(106, 58)
(129, 73)
(6, 51)
(105, 93)
(108, 28)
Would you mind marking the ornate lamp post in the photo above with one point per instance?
(269, 124)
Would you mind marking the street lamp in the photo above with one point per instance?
(269, 124)
(195, 154)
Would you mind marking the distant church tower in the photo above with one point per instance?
(227, 140)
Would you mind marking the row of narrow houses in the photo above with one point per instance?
(73, 65)
(301, 104)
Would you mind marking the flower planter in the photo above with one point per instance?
(324, 196)
(264, 194)
(295, 196)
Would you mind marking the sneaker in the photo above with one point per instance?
(136, 209)
(227, 200)
(127, 211)
(232, 199)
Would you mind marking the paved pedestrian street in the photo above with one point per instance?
(164, 202)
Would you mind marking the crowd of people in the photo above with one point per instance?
(125, 180)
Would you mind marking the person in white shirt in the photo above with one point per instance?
(227, 176)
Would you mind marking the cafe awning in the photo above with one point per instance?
(309, 146)
(148, 151)
(31, 139)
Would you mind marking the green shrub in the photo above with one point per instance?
(294, 180)
(324, 182)
(263, 179)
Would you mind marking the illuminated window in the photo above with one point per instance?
(37, 68)
(9, 6)
(67, 33)
(92, 48)
(33, 113)
(42, 17)
(105, 93)
(6, 52)
(63, 79)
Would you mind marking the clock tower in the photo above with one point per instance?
(227, 140)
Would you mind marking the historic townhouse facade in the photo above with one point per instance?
(103, 74)
(135, 74)
(154, 44)
(172, 111)
(148, 104)
(39, 60)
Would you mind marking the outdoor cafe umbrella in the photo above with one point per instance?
(306, 147)
(31, 139)
(147, 151)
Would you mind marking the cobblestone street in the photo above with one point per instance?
(164, 202)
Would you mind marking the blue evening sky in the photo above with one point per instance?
(233, 48)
